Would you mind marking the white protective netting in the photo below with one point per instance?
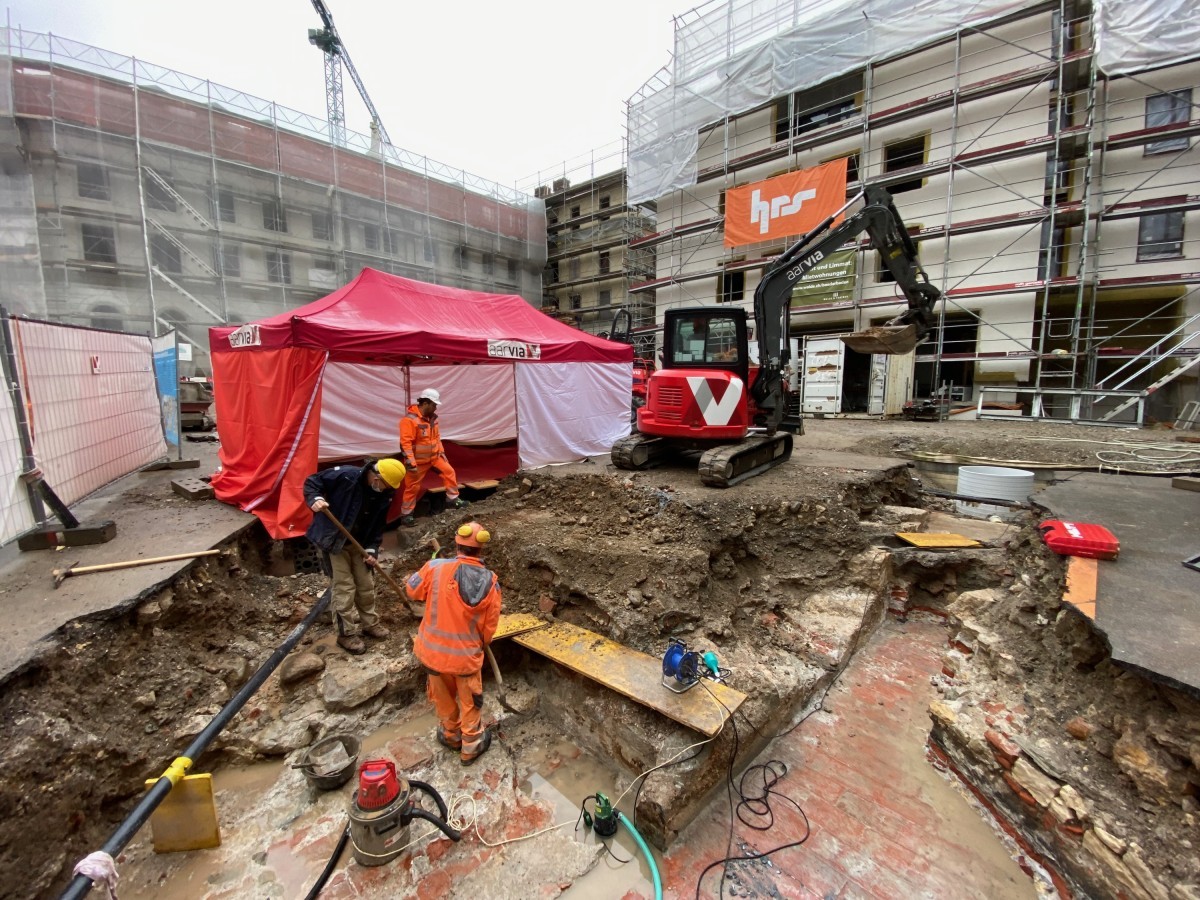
(732, 57)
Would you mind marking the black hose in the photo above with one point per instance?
(432, 792)
(452, 833)
(329, 866)
(81, 884)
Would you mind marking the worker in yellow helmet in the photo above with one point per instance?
(462, 608)
(359, 498)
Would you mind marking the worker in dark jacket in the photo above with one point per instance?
(358, 498)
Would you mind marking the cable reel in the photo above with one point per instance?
(683, 668)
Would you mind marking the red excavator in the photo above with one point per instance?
(698, 400)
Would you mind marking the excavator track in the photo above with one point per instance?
(639, 451)
(726, 466)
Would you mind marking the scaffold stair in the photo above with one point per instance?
(1166, 379)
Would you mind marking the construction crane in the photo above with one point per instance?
(330, 43)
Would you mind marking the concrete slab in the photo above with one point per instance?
(151, 521)
(1147, 602)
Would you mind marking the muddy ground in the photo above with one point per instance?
(783, 574)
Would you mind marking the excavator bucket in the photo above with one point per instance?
(889, 339)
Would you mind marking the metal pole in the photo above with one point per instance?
(81, 884)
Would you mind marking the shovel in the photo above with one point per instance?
(359, 547)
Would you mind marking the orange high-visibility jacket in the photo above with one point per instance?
(420, 438)
(462, 609)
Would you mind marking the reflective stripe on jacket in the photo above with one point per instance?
(420, 438)
(462, 609)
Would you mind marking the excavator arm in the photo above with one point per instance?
(882, 223)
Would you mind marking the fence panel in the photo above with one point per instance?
(16, 514)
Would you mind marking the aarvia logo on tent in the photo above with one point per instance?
(514, 350)
(246, 336)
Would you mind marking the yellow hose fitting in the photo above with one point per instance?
(178, 769)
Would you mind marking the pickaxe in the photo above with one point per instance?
(76, 569)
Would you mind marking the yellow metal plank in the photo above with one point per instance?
(187, 817)
(935, 539)
(636, 675)
(517, 623)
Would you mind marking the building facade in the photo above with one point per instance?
(140, 199)
(1044, 159)
(593, 253)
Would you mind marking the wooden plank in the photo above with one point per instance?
(1081, 585)
(936, 539)
(517, 623)
(635, 675)
(484, 485)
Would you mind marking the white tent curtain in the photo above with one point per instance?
(361, 405)
(570, 410)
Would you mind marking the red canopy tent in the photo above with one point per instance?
(331, 380)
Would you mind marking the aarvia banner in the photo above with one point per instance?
(790, 204)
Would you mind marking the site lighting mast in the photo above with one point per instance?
(330, 43)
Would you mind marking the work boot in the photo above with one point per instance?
(469, 758)
(454, 744)
(378, 632)
(460, 503)
(351, 643)
(408, 521)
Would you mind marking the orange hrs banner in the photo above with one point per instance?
(784, 205)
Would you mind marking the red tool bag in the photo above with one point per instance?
(1080, 539)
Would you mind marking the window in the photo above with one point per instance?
(552, 277)
(704, 340)
(324, 264)
(460, 257)
(164, 253)
(274, 218)
(552, 217)
(833, 101)
(157, 196)
(605, 203)
(371, 237)
(1168, 109)
(489, 264)
(576, 301)
(733, 287)
(99, 243)
(107, 317)
(882, 272)
(1160, 236)
(605, 262)
(279, 267)
(322, 226)
(904, 155)
(92, 181)
(430, 251)
(512, 270)
(606, 298)
(574, 268)
(227, 259)
(226, 211)
(851, 166)
(574, 212)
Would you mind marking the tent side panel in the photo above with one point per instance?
(569, 411)
(268, 419)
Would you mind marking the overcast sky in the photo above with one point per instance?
(504, 90)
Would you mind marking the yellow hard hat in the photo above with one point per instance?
(391, 471)
(472, 535)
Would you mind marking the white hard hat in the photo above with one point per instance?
(430, 394)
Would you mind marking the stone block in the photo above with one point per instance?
(192, 488)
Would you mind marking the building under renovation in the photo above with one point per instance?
(1042, 154)
(139, 199)
(592, 247)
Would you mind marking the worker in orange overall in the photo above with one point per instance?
(462, 609)
(421, 449)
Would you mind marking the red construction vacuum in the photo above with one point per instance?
(382, 809)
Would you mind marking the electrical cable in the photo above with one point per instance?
(758, 804)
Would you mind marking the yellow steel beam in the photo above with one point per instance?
(635, 675)
(933, 539)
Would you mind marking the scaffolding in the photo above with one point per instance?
(1046, 177)
(138, 198)
(595, 246)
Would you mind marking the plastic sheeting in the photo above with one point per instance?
(742, 54)
(568, 412)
